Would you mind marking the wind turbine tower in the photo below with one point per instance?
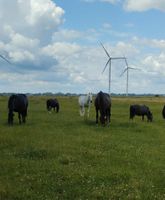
(109, 62)
(127, 70)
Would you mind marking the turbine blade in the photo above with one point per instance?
(123, 71)
(106, 65)
(105, 50)
(134, 68)
(5, 59)
(126, 61)
(117, 58)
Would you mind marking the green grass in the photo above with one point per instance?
(64, 156)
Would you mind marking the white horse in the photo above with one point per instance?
(85, 101)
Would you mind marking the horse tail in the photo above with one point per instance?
(47, 104)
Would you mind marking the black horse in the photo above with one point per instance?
(17, 103)
(141, 110)
(52, 103)
(103, 104)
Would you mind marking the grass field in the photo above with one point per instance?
(64, 156)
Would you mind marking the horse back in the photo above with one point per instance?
(18, 103)
(82, 100)
(102, 101)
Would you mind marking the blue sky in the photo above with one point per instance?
(54, 45)
(81, 15)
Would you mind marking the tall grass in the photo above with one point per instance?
(64, 156)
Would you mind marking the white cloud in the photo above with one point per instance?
(56, 59)
(133, 5)
(26, 27)
(32, 18)
(126, 48)
(44, 12)
(22, 56)
(22, 42)
(107, 26)
(61, 50)
(66, 35)
(108, 1)
(158, 43)
(143, 5)
(154, 63)
(155, 43)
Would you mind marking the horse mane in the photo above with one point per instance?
(101, 97)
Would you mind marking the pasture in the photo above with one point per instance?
(64, 156)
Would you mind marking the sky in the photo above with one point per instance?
(55, 45)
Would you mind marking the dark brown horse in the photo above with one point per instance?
(103, 104)
(17, 103)
(52, 103)
(141, 110)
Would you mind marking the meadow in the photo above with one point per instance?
(65, 156)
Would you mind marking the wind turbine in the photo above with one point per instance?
(127, 70)
(109, 62)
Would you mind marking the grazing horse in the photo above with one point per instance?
(52, 103)
(17, 103)
(85, 101)
(103, 104)
(141, 110)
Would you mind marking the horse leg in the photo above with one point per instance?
(142, 117)
(49, 110)
(10, 118)
(96, 116)
(108, 116)
(82, 110)
(132, 117)
(19, 117)
(57, 109)
(88, 110)
(23, 118)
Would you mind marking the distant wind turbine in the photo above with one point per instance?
(127, 70)
(109, 62)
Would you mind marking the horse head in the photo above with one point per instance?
(103, 117)
(150, 116)
(89, 97)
